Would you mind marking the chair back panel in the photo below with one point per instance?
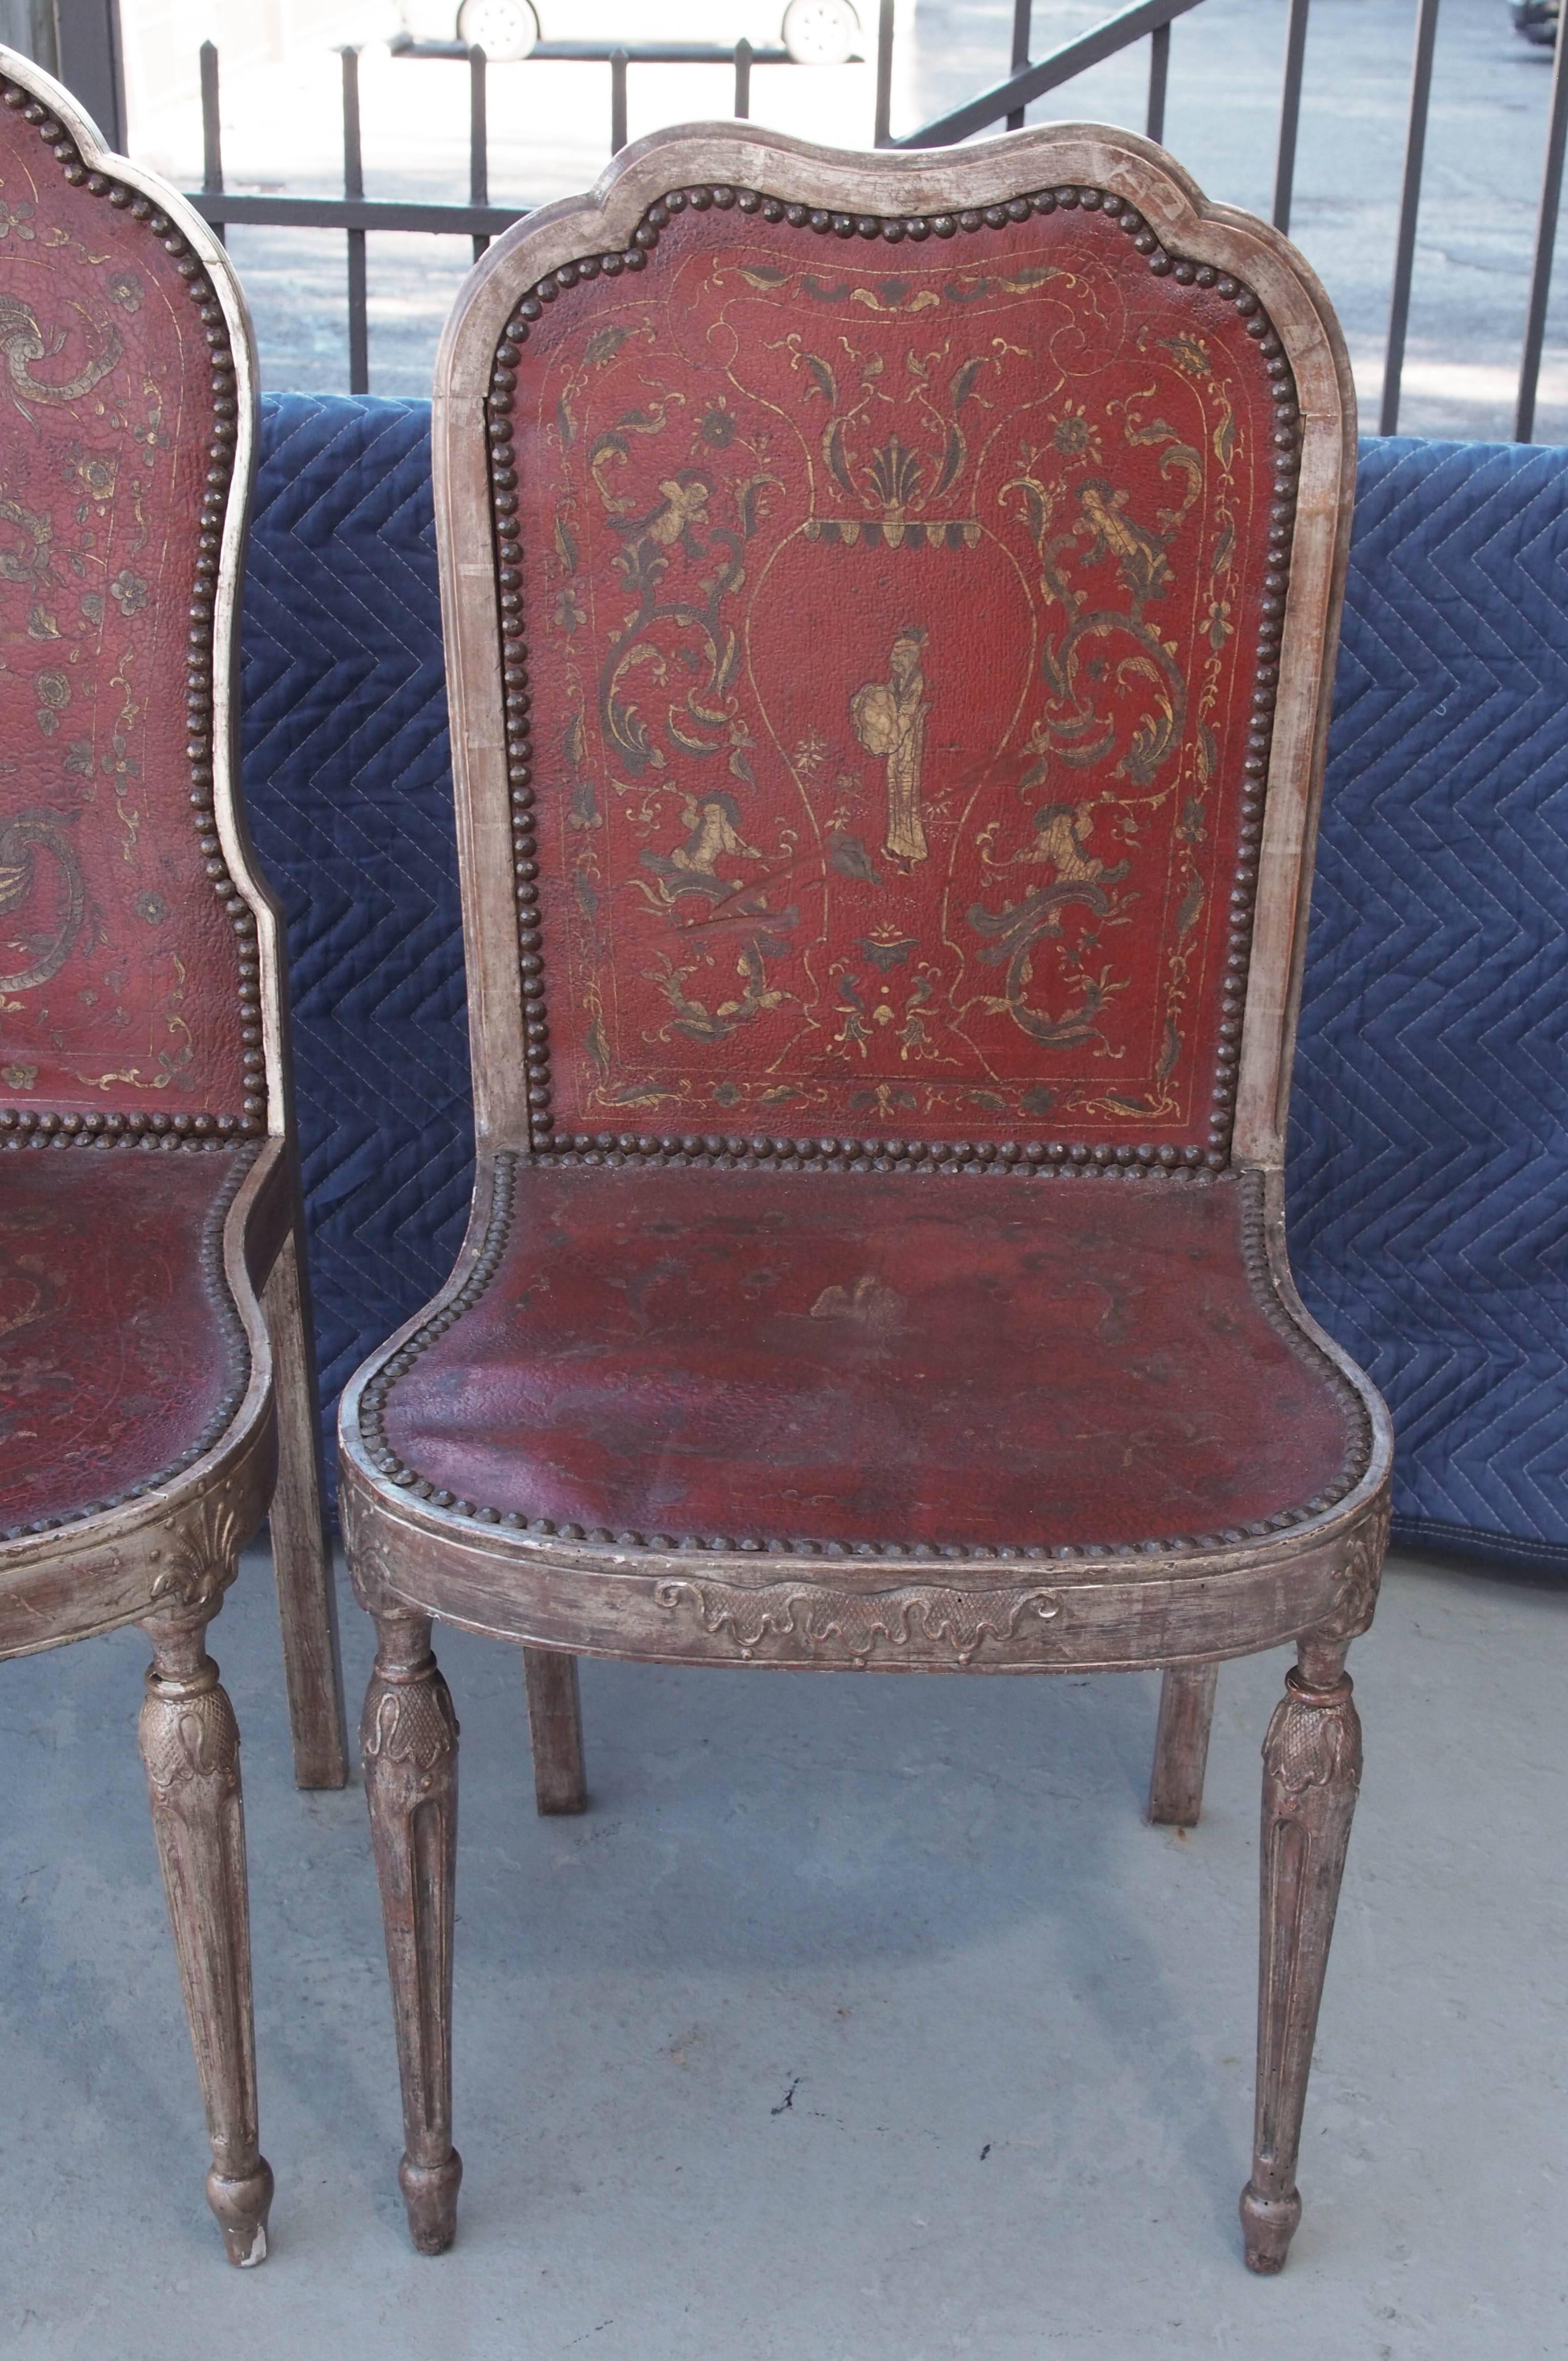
(890, 617)
(127, 954)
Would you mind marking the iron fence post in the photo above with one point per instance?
(1545, 246)
(1290, 113)
(478, 139)
(354, 186)
(1159, 77)
(881, 133)
(1023, 28)
(618, 64)
(211, 132)
(1409, 205)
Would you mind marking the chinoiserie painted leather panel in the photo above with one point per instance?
(961, 1361)
(893, 616)
(121, 1350)
(119, 957)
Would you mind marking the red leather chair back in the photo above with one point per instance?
(129, 991)
(889, 630)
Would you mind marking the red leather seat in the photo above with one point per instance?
(122, 1354)
(898, 1362)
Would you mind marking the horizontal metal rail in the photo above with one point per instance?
(355, 213)
(639, 53)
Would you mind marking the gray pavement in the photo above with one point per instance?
(550, 136)
(859, 2020)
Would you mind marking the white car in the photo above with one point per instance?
(814, 32)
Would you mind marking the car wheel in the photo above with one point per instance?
(820, 32)
(504, 30)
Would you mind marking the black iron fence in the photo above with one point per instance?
(354, 213)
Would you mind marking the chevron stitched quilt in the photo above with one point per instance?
(1429, 1176)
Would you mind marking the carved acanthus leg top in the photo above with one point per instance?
(190, 1745)
(555, 1729)
(1181, 1745)
(302, 1554)
(1312, 1769)
(409, 1746)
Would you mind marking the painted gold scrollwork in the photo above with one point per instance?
(22, 841)
(24, 340)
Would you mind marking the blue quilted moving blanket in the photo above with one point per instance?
(1429, 1174)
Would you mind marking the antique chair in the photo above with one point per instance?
(156, 1393)
(891, 603)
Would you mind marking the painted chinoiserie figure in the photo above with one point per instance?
(891, 603)
(157, 1394)
(890, 720)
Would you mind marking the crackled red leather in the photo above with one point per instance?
(115, 1349)
(893, 621)
(867, 1359)
(118, 978)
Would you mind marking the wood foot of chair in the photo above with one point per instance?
(190, 1745)
(555, 1731)
(430, 2198)
(1311, 1770)
(302, 1554)
(409, 1746)
(1181, 1745)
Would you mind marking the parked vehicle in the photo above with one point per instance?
(1537, 20)
(814, 32)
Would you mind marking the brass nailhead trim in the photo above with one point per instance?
(215, 1286)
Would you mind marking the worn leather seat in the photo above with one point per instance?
(122, 1353)
(900, 1361)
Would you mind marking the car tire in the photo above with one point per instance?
(820, 32)
(504, 30)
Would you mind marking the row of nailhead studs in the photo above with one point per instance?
(153, 1129)
(215, 1286)
(514, 653)
(1358, 1426)
(372, 1401)
(372, 1425)
(199, 657)
(849, 1156)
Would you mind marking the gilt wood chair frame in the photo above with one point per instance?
(415, 1557)
(163, 1553)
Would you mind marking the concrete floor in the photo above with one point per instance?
(860, 2020)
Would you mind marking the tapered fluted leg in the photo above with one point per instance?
(1181, 1745)
(409, 1745)
(190, 1745)
(555, 1729)
(301, 1555)
(1312, 1768)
